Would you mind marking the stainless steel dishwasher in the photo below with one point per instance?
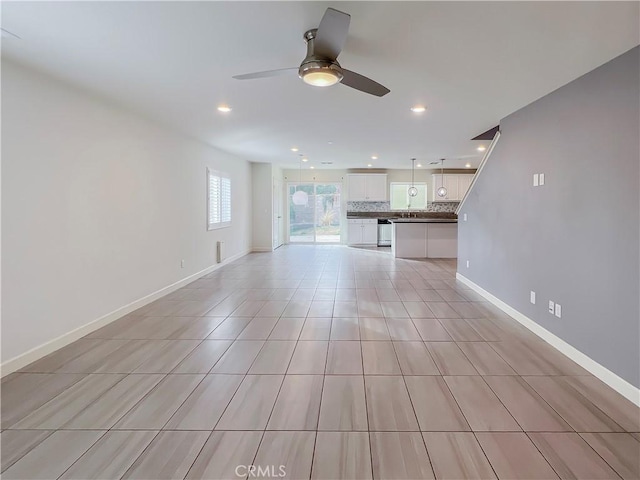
(384, 232)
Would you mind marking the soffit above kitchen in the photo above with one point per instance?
(469, 63)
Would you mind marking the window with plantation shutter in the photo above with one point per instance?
(218, 200)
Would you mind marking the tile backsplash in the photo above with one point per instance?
(385, 207)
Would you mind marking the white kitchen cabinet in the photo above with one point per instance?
(464, 182)
(456, 185)
(367, 187)
(362, 231)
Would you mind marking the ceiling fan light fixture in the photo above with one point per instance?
(320, 74)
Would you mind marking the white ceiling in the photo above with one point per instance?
(470, 63)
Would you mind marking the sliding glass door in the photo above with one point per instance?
(314, 218)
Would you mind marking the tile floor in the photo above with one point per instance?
(331, 362)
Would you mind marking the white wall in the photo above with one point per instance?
(262, 206)
(99, 206)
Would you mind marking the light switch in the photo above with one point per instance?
(558, 310)
(541, 181)
(551, 307)
(532, 298)
(467, 263)
(464, 217)
(536, 180)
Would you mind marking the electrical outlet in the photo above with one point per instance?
(541, 177)
(536, 180)
(467, 263)
(532, 297)
(464, 217)
(181, 263)
(551, 307)
(558, 310)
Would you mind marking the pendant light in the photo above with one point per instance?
(442, 191)
(300, 197)
(413, 191)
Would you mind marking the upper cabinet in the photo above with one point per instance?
(367, 187)
(456, 185)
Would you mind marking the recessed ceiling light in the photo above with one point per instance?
(418, 108)
(312, 167)
(305, 159)
(482, 148)
(224, 108)
(294, 149)
(373, 157)
(330, 143)
(369, 165)
(419, 165)
(468, 165)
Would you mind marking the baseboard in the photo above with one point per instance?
(51, 346)
(261, 249)
(619, 384)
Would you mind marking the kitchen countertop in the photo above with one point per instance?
(423, 220)
(414, 215)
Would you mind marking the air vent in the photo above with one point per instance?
(326, 163)
(434, 163)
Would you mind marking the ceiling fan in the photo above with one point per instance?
(320, 67)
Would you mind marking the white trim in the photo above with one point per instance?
(51, 346)
(487, 154)
(619, 384)
(262, 249)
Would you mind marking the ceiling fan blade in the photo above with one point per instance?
(362, 83)
(267, 73)
(332, 34)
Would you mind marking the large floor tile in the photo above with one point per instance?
(203, 357)
(286, 454)
(484, 358)
(512, 455)
(575, 409)
(53, 456)
(169, 456)
(287, 329)
(572, 457)
(620, 450)
(60, 410)
(309, 357)
(482, 409)
(402, 329)
(225, 455)
(274, 358)
(431, 330)
(343, 405)
(388, 405)
(449, 359)
(435, 407)
(230, 328)
(298, 404)
(344, 358)
(114, 403)
(399, 455)
(259, 328)
(316, 329)
(111, 456)
(414, 359)
(379, 358)
(252, 403)
(25, 392)
(342, 455)
(618, 408)
(239, 357)
(457, 456)
(155, 409)
(17, 443)
(204, 407)
(526, 406)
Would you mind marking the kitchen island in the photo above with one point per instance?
(424, 237)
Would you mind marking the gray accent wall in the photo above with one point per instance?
(575, 240)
